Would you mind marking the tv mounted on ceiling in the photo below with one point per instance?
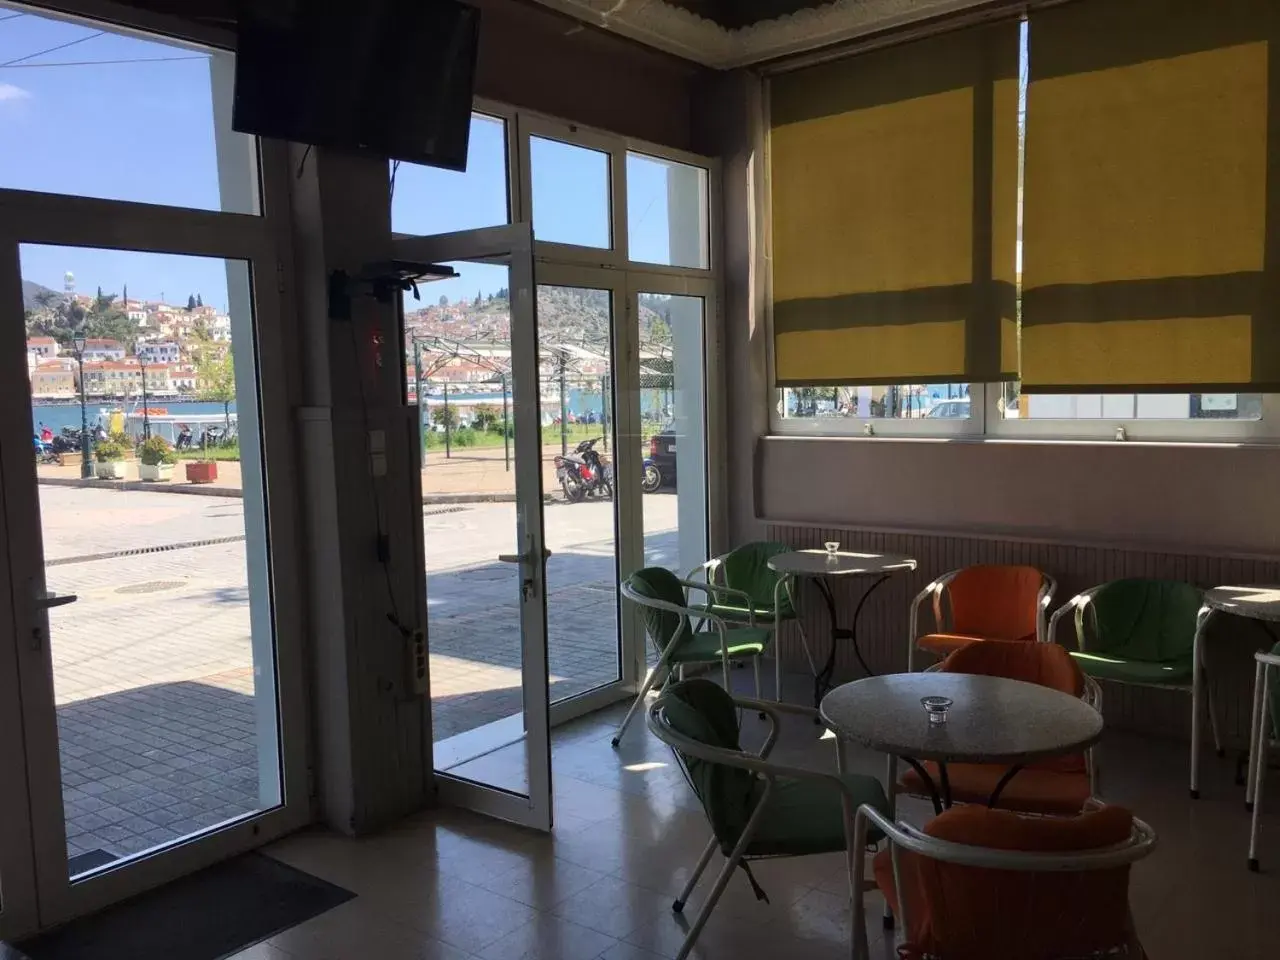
(391, 76)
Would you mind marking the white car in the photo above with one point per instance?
(956, 409)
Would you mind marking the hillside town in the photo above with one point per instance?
(128, 348)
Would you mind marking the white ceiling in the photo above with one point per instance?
(687, 35)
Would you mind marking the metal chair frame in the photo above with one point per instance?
(1266, 674)
(694, 620)
(1086, 616)
(768, 772)
(937, 590)
(711, 569)
(1141, 842)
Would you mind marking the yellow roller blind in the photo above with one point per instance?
(1150, 198)
(893, 179)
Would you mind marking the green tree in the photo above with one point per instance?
(199, 300)
(216, 380)
(191, 302)
(444, 301)
(445, 417)
(485, 417)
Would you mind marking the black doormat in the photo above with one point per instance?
(209, 915)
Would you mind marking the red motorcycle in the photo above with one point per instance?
(587, 475)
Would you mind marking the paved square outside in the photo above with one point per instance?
(153, 669)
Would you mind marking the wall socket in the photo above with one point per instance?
(416, 663)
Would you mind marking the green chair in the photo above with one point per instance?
(1139, 632)
(1264, 736)
(757, 809)
(748, 591)
(683, 634)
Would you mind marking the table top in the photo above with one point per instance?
(1255, 602)
(819, 563)
(992, 719)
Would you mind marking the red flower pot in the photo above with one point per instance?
(199, 471)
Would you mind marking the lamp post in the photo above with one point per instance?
(86, 466)
(146, 418)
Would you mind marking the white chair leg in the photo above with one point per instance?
(804, 643)
(855, 831)
(717, 889)
(1259, 669)
(777, 669)
(755, 663)
(891, 789)
(687, 892)
(1213, 715)
(1201, 619)
(1259, 771)
(644, 691)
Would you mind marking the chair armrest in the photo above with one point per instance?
(934, 589)
(1269, 659)
(1075, 605)
(707, 568)
(714, 590)
(687, 611)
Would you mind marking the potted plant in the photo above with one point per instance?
(157, 458)
(110, 456)
(205, 470)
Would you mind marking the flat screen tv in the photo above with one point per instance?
(391, 76)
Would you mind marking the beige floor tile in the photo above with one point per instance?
(547, 937)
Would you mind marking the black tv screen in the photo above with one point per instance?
(391, 76)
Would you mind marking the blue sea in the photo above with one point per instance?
(58, 415)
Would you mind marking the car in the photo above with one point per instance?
(956, 409)
(662, 453)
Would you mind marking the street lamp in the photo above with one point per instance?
(146, 417)
(86, 465)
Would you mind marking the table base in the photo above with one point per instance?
(822, 682)
(940, 793)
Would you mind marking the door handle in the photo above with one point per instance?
(51, 600)
(521, 557)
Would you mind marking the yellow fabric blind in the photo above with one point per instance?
(893, 180)
(1151, 187)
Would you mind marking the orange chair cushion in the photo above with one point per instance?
(945, 644)
(1034, 789)
(995, 602)
(1046, 664)
(978, 913)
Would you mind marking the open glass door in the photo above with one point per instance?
(471, 347)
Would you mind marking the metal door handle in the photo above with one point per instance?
(51, 600)
(520, 557)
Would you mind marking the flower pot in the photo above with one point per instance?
(109, 470)
(157, 471)
(199, 471)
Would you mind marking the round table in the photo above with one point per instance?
(1257, 602)
(992, 720)
(820, 566)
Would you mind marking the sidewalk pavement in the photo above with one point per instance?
(470, 474)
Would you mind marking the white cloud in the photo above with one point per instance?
(9, 92)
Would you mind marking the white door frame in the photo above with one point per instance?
(512, 244)
(28, 217)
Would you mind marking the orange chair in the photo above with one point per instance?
(984, 602)
(1059, 785)
(978, 884)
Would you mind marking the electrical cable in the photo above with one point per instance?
(98, 63)
(391, 192)
(303, 162)
(61, 46)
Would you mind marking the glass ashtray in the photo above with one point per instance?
(936, 708)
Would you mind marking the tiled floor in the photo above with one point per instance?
(451, 885)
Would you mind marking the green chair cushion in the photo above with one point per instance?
(659, 583)
(704, 646)
(746, 568)
(803, 816)
(807, 816)
(1145, 620)
(1105, 667)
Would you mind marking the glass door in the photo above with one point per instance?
(472, 373)
(161, 710)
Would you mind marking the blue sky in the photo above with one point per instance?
(143, 131)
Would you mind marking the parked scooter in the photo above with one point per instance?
(44, 451)
(586, 475)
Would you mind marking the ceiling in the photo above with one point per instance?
(739, 13)
(735, 33)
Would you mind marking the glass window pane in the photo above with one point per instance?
(90, 112)
(666, 212)
(164, 669)
(948, 401)
(1129, 406)
(570, 193)
(673, 431)
(427, 200)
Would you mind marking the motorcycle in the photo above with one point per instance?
(652, 480)
(45, 452)
(586, 475)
